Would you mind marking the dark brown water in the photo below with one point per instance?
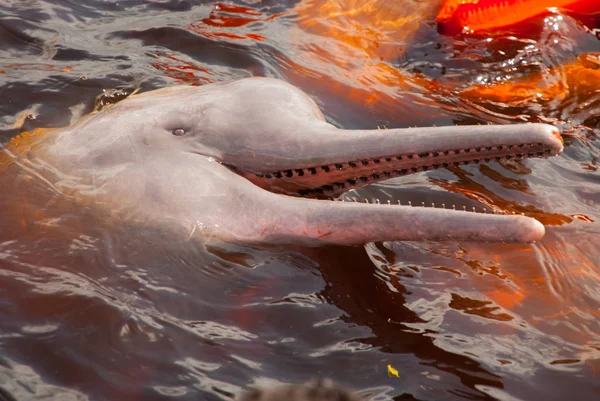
(105, 313)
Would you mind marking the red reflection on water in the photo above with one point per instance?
(227, 18)
(182, 70)
(485, 16)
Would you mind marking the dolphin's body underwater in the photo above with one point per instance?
(241, 161)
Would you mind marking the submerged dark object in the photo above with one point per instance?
(318, 390)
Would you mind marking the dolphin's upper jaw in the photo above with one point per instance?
(332, 180)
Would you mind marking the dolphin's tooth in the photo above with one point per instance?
(443, 205)
(422, 204)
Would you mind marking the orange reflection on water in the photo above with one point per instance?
(37, 67)
(549, 285)
(224, 20)
(354, 42)
(579, 78)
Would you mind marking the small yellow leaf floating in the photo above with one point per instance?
(392, 371)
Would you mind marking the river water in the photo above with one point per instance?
(102, 313)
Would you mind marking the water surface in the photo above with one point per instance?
(101, 312)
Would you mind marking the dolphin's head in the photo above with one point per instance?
(273, 135)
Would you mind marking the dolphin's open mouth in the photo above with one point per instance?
(330, 180)
(352, 159)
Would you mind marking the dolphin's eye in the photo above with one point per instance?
(179, 132)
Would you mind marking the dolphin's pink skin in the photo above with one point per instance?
(238, 161)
